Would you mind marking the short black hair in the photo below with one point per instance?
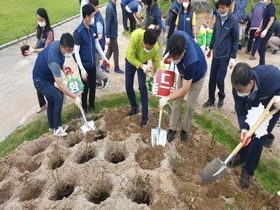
(241, 75)
(224, 2)
(176, 45)
(87, 10)
(94, 2)
(67, 40)
(150, 37)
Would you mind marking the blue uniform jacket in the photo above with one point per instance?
(225, 37)
(193, 56)
(99, 18)
(267, 78)
(185, 22)
(154, 17)
(133, 6)
(85, 38)
(51, 53)
(111, 20)
(172, 15)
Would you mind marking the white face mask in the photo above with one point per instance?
(67, 55)
(242, 94)
(224, 15)
(185, 5)
(176, 61)
(147, 51)
(91, 22)
(265, 1)
(42, 24)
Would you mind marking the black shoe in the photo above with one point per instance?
(184, 136)
(133, 112)
(170, 135)
(208, 104)
(106, 82)
(236, 161)
(245, 179)
(220, 103)
(144, 121)
(275, 52)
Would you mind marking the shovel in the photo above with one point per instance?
(217, 169)
(88, 125)
(158, 135)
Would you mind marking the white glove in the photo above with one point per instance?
(84, 74)
(231, 63)
(195, 39)
(155, 88)
(276, 103)
(147, 70)
(263, 34)
(78, 102)
(163, 101)
(107, 41)
(28, 52)
(152, 26)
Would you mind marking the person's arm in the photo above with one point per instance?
(176, 23)
(194, 26)
(270, 23)
(49, 39)
(233, 7)
(235, 40)
(77, 56)
(131, 51)
(158, 21)
(99, 50)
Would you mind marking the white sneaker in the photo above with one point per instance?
(60, 132)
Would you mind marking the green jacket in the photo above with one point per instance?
(135, 53)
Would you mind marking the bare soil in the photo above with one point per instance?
(116, 167)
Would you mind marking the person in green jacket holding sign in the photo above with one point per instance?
(142, 47)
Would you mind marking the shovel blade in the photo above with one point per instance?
(158, 137)
(87, 127)
(214, 170)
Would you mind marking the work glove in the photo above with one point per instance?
(84, 74)
(147, 70)
(231, 63)
(106, 64)
(167, 59)
(263, 34)
(107, 41)
(152, 26)
(209, 54)
(78, 102)
(245, 139)
(28, 52)
(276, 103)
(155, 88)
(163, 102)
(68, 70)
(257, 33)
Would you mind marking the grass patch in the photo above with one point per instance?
(268, 172)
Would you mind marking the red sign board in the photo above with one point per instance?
(165, 80)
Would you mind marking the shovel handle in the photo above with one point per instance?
(83, 114)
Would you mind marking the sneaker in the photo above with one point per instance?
(106, 82)
(41, 108)
(208, 104)
(60, 132)
(245, 179)
(118, 71)
(99, 86)
(247, 52)
(252, 57)
(275, 52)
(144, 121)
(220, 103)
(236, 161)
(133, 112)
(103, 68)
(184, 136)
(170, 135)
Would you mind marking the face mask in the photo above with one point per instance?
(265, 1)
(185, 5)
(224, 15)
(91, 22)
(42, 24)
(67, 55)
(176, 61)
(147, 51)
(242, 94)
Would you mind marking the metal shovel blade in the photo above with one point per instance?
(88, 126)
(158, 136)
(214, 170)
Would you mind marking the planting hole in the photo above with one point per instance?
(142, 198)
(65, 192)
(97, 199)
(117, 157)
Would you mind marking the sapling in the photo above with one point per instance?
(98, 188)
(25, 46)
(142, 185)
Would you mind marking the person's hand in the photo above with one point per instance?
(231, 63)
(163, 102)
(263, 34)
(107, 41)
(107, 64)
(276, 103)
(28, 52)
(147, 70)
(257, 33)
(245, 139)
(68, 70)
(84, 74)
(167, 59)
(78, 102)
(152, 26)
(209, 54)
(155, 88)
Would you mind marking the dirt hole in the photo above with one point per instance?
(117, 157)
(86, 157)
(64, 193)
(97, 199)
(56, 164)
(142, 198)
